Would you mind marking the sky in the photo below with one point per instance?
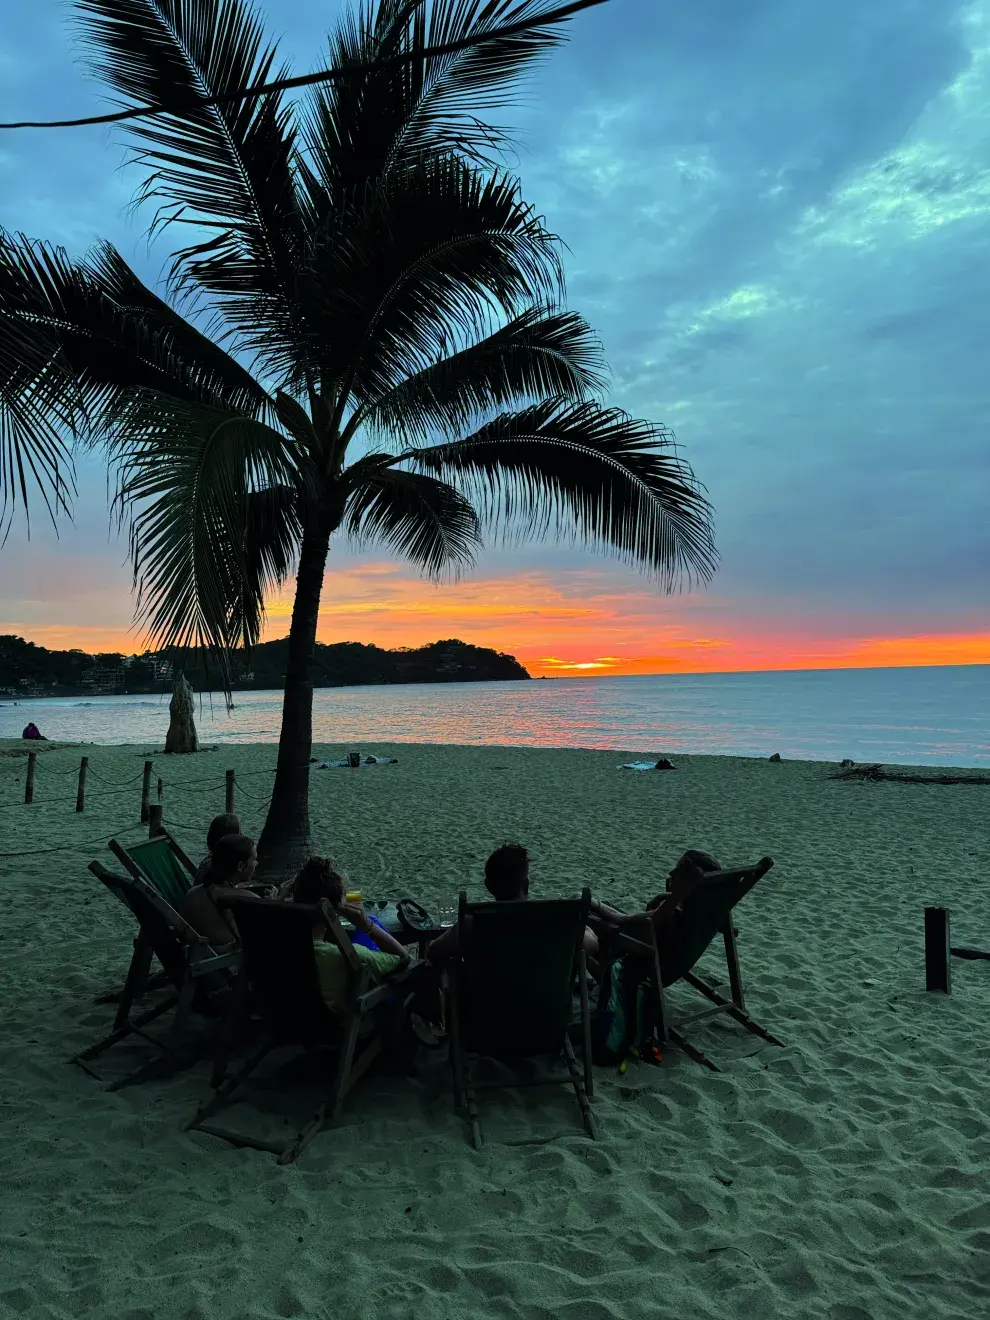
(777, 217)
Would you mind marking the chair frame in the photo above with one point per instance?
(198, 956)
(579, 1076)
(132, 867)
(645, 947)
(159, 979)
(342, 1030)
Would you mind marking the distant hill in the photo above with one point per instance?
(27, 670)
(344, 664)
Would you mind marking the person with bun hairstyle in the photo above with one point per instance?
(233, 861)
(380, 952)
(220, 827)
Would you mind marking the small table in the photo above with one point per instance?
(387, 913)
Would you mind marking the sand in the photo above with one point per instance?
(843, 1176)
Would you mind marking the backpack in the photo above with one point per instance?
(624, 1022)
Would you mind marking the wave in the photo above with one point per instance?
(117, 705)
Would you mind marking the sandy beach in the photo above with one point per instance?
(843, 1176)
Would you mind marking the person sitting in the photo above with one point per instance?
(663, 910)
(232, 865)
(33, 734)
(220, 826)
(507, 880)
(379, 951)
(320, 875)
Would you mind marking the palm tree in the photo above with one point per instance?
(387, 355)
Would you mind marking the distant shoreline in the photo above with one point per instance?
(912, 716)
(329, 750)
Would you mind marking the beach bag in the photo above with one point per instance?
(624, 1022)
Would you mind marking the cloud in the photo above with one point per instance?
(777, 215)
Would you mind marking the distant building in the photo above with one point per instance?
(160, 666)
(103, 682)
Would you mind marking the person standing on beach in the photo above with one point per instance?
(507, 880)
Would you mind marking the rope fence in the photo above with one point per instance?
(151, 812)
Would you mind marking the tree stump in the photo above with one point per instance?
(181, 725)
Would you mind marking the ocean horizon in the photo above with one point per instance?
(921, 715)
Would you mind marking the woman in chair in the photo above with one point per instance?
(233, 862)
(220, 827)
(378, 950)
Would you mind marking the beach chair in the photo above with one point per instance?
(279, 972)
(672, 957)
(161, 862)
(510, 996)
(186, 960)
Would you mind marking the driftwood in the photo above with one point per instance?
(877, 774)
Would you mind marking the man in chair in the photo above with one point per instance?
(663, 910)
(507, 880)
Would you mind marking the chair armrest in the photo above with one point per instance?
(217, 963)
(372, 998)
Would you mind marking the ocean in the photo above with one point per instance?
(918, 716)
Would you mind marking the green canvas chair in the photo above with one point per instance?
(161, 862)
(188, 965)
(279, 972)
(672, 957)
(511, 996)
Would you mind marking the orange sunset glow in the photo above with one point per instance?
(586, 624)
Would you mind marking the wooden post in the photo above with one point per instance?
(155, 827)
(29, 786)
(229, 807)
(146, 793)
(938, 955)
(81, 792)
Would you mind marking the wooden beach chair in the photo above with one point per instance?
(186, 958)
(161, 863)
(672, 957)
(511, 996)
(280, 974)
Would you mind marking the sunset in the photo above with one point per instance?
(494, 659)
(571, 622)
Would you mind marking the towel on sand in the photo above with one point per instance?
(365, 760)
(662, 764)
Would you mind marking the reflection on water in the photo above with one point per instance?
(913, 716)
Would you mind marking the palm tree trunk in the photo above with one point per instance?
(285, 840)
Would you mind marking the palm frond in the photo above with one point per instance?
(226, 169)
(425, 521)
(107, 334)
(606, 478)
(422, 264)
(446, 95)
(360, 127)
(204, 549)
(538, 354)
(40, 408)
(272, 532)
(166, 352)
